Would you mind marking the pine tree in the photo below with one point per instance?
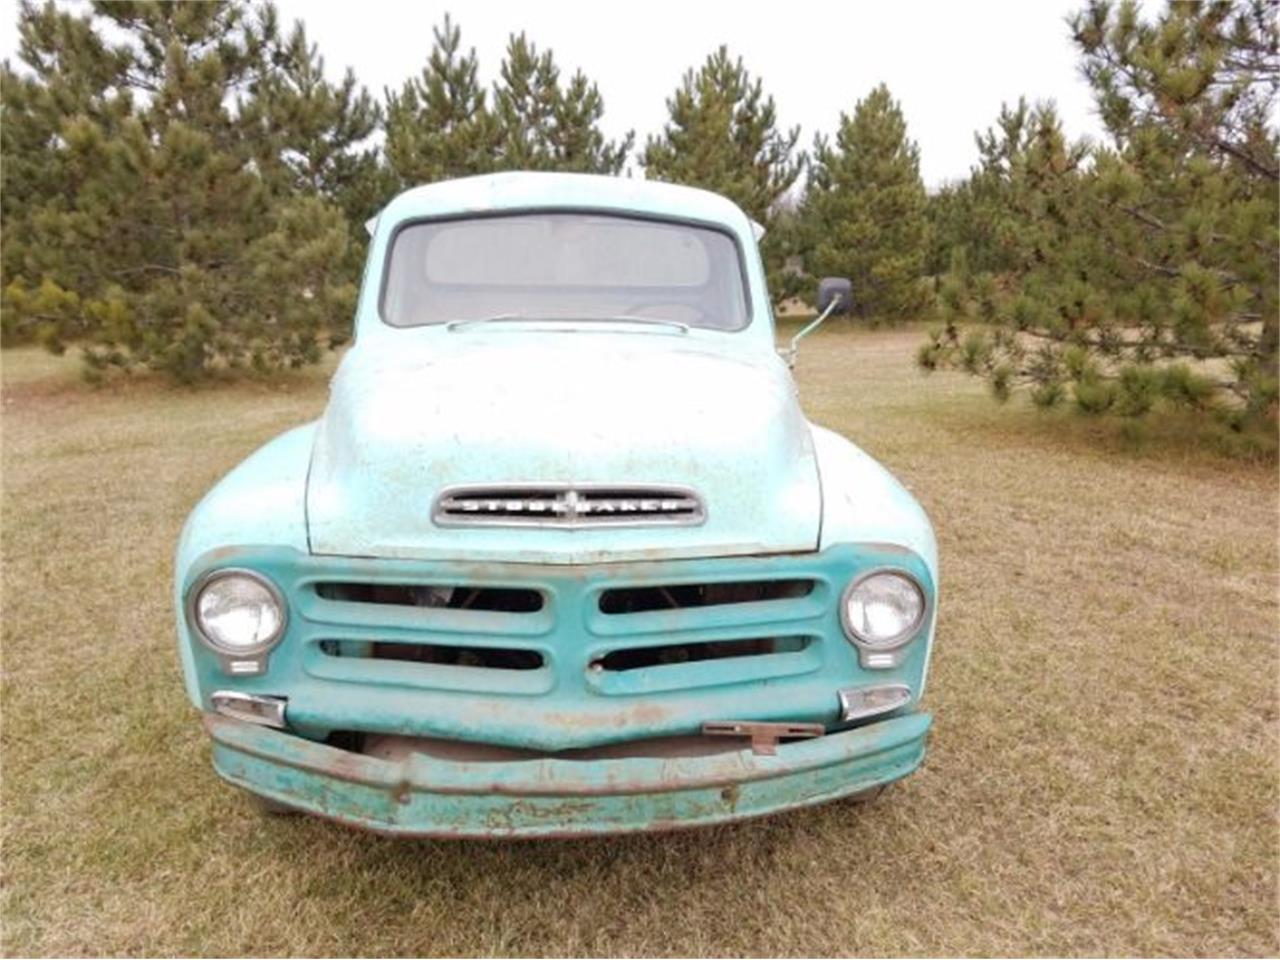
(311, 136)
(577, 144)
(972, 220)
(1016, 215)
(144, 243)
(70, 71)
(865, 210)
(1150, 275)
(952, 229)
(524, 103)
(722, 135)
(546, 126)
(439, 126)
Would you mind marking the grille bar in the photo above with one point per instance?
(568, 505)
(433, 596)
(651, 657)
(680, 596)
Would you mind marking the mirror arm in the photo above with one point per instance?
(789, 354)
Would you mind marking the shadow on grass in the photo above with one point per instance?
(710, 849)
(1168, 435)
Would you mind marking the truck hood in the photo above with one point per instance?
(509, 408)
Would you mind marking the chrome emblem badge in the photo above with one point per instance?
(566, 505)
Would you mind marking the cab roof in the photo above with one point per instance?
(497, 192)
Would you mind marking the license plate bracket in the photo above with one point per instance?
(764, 736)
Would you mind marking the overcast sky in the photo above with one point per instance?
(950, 65)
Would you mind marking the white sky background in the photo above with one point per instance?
(950, 65)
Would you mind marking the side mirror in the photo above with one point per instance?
(835, 295)
(838, 289)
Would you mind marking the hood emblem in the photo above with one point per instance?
(567, 505)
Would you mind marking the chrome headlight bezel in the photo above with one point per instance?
(231, 655)
(903, 637)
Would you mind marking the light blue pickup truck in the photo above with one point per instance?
(563, 555)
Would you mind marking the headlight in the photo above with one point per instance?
(238, 612)
(883, 609)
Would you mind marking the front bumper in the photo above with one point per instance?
(549, 796)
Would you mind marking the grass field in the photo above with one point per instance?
(1104, 776)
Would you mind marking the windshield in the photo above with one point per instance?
(564, 266)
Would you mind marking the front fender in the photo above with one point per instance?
(261, 501)
(862, 502)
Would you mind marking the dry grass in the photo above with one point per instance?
(1103, 777)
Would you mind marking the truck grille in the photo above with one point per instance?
(613, 633)
(567, 505)
(560, 657)
(552, 657)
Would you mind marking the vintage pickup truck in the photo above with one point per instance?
(562, 556)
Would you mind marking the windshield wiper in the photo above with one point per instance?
(520, 318)
(470, 321)
(653, 321)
